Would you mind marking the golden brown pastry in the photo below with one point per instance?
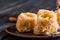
(26, 22)
(58, 15)
(47, 23)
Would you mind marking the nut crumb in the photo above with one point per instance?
(12, 19)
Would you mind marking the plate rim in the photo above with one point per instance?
(25, 36)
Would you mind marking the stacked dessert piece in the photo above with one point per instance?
(45, 22)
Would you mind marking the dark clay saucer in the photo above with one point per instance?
(12, 30)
